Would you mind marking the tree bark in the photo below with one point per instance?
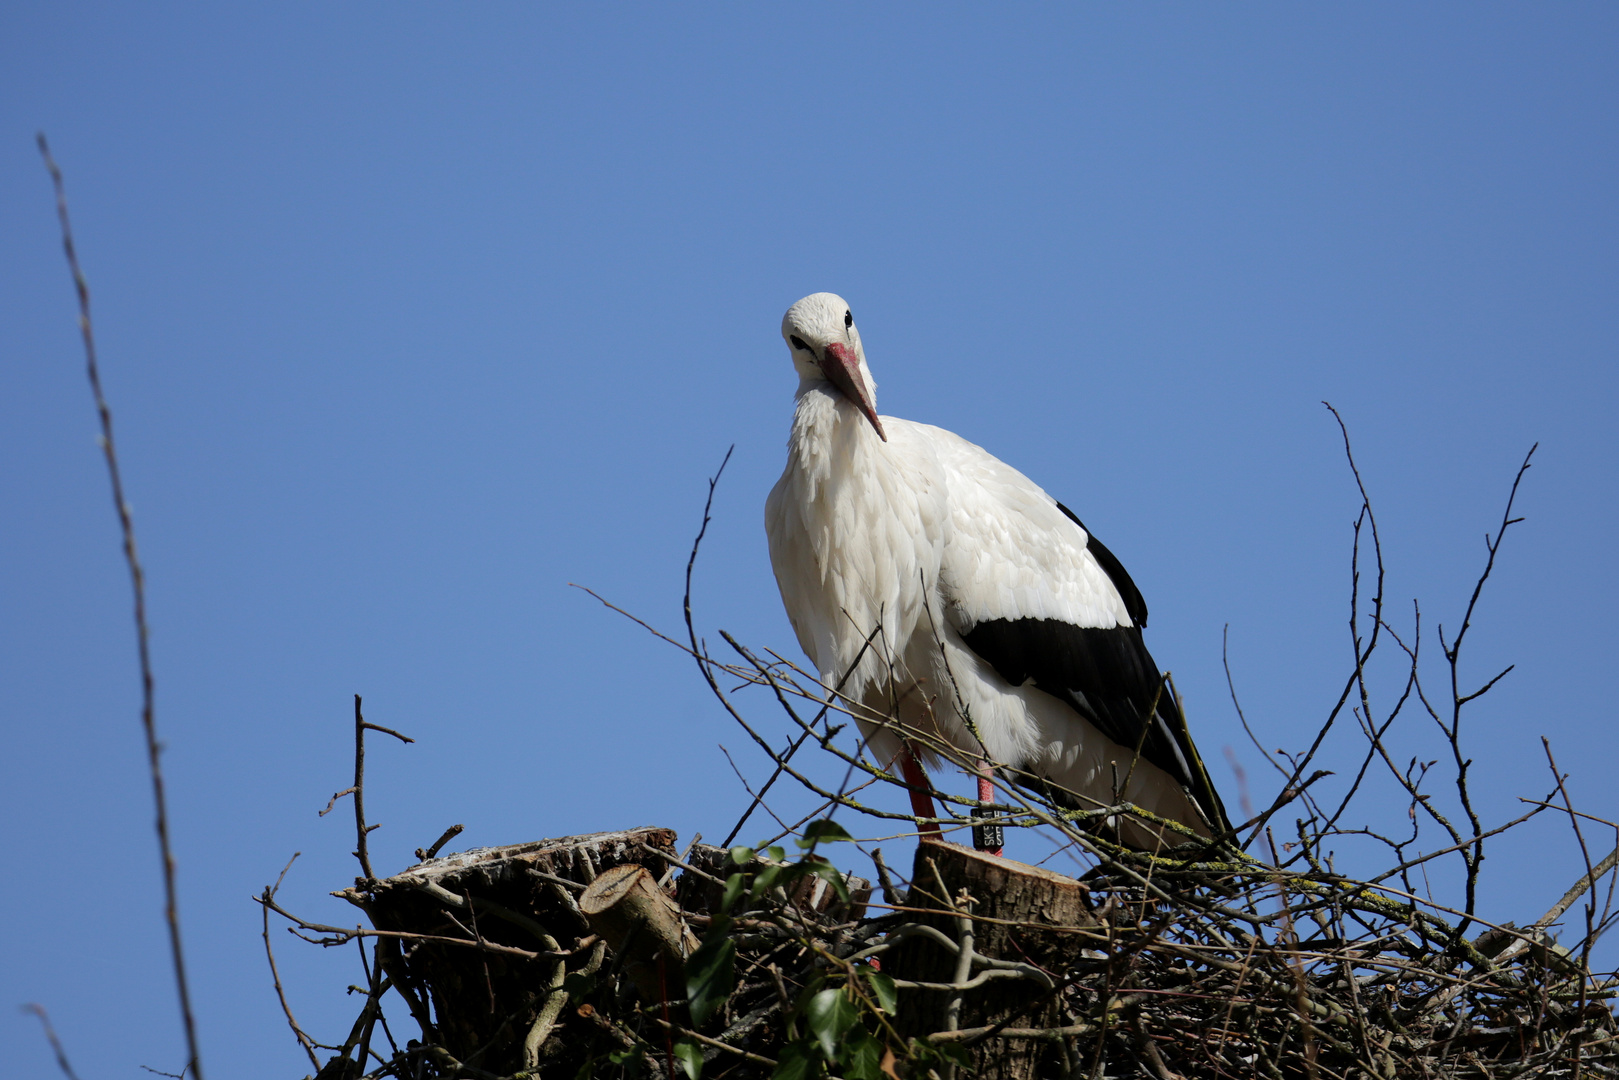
(642, 926)
(485, 1006)
(1018, 913)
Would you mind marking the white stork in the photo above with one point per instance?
(987, 604)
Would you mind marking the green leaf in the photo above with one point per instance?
(823, 832)
(578, 986)
(690, 1058)
(710, 976)
(625, 1057)
(796, 1061)
(883, 987)
(862, 1056)
(763, 880)
(831, 874)
(777, 854)
(740, 856)
(733, 889)
(830, 1013)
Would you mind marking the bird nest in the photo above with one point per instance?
(621, 954)
(1175, 965)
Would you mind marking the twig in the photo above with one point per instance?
(432, 852)
(342, 935)
(333, 801)
(472, 913)
(1362, 655)
(1459, 699)
(758, 797)
(269, 898)
(181, 1075)
(687, 1033)
(360, 850)
(137, 577)
(50, 1036)
(361, 829)
(1231, 688)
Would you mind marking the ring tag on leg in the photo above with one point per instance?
(990, 838)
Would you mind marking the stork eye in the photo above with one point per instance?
(848, 319)
(798, 343)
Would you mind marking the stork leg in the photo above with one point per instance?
(986, 795)
(917, 781)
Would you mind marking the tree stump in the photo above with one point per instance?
(642, 925)
(1019, 914)
(495, 1010)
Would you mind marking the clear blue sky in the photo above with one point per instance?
(410, 316)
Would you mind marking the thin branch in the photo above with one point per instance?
(137, 577)
(1458, 699)
(304, 1040)
(432, 852)
(1362, 655)
(361, 829)
(1231, 687)
(50, 1036)
(342, 935)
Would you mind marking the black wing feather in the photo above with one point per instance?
(1109, 678)
(1106, 675)
(1134, 603)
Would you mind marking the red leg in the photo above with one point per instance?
(917, 780)
(986, 794)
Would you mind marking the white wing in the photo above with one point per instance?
(1045, 605)
(1012, 553)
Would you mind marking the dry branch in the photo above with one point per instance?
(137, 578)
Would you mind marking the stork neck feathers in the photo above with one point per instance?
(823, 414)
(829, 429)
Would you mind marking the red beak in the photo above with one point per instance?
(842, 367)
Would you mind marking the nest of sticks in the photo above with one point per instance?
(621, 954)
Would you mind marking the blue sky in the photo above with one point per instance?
(410, 316)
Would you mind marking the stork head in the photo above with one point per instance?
(825, 345)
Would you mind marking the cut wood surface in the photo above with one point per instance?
(497, 1011)
(1008, 903)
(642, 925)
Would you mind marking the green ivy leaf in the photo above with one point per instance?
(862, 1056)
(823, 832)
(830, 1013)
(883, 987)
(718, 929)
(796, 1061)
(829, 873)
(625, 1057)
(579, 986)
(710, 974)
(690, 1058)
(763, 880)
(777, 854)
(740, 856)
(733, 889)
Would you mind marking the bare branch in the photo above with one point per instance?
(137, 577)
(50, 1037)
(268, 898)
